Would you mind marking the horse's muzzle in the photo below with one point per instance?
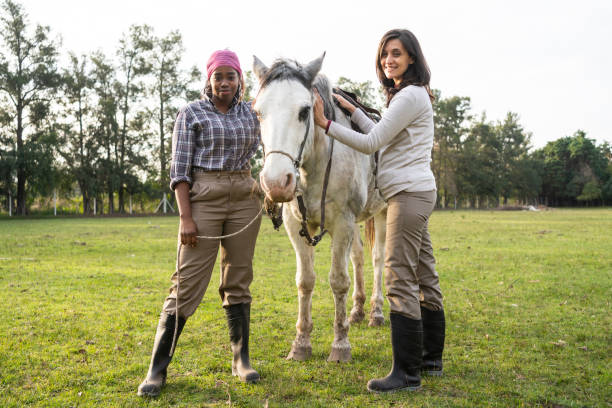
(279, 190)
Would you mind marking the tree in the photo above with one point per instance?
(590, 192)
(365, 91)
(171, 85)
(41, 171)
(606, 190)
(569, 164)
(106, 128)
(478, 166)
(8, 166)
(250, 85)
(28, 77)
(133, 65)
(256, 161)
(77, 146)
(515, 144)
(450, 116)
(527, 180)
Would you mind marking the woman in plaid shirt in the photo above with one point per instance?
(213, 140)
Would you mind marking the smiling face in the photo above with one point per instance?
(394, 60)
(224, 82)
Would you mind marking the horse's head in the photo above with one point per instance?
(284, 107)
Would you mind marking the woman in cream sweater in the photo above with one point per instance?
(404, 137)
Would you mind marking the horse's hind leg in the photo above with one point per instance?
(301, 348)
(340, 282)
(357, 313)
(378, 259)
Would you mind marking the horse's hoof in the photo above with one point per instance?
(342, 355)
(376, 321)
(300, 353)
(356, 316)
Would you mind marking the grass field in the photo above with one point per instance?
(527, 297)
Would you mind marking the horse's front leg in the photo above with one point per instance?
(378, 260)
(301, 348)
(357, 313)
(340, 282)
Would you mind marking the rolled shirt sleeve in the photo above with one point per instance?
(182, 149)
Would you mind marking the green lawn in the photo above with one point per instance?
(527, 297)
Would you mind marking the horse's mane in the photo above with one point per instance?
(321, 84)
(286, 69)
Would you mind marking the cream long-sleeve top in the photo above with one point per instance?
(404, 137)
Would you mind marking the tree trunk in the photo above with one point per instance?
(85, 195)
(120, 194)
(162, 145)
(111, 204)
(21, 171)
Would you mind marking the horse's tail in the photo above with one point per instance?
(370, 233)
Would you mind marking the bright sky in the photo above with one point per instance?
(548, 61)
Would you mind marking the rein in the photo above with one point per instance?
(304, 231)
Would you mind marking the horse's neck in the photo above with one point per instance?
(315, 162)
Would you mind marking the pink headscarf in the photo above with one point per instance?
(223, 58)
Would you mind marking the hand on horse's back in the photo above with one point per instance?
(344, 103)
(318, 110)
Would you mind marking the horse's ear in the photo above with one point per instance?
(313, 67)
(259, 68)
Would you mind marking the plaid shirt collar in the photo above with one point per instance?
(208, 100)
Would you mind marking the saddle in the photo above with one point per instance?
(372, 113)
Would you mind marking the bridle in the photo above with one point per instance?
(297, 163)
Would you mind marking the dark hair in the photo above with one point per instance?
(417, 73)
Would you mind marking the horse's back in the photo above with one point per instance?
(356, 171)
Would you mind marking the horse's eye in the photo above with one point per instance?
(304, 113)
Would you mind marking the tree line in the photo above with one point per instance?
(480, 163)
(99, 126)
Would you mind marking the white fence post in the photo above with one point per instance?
(55, 202)
(10, 204)
(94, 205)
(130, 204)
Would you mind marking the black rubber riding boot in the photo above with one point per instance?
(238, 321)
(407, 343)
(156, 377)
(434, 327)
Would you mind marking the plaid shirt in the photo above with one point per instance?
(206, 138)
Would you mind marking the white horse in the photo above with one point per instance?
(295, 161)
